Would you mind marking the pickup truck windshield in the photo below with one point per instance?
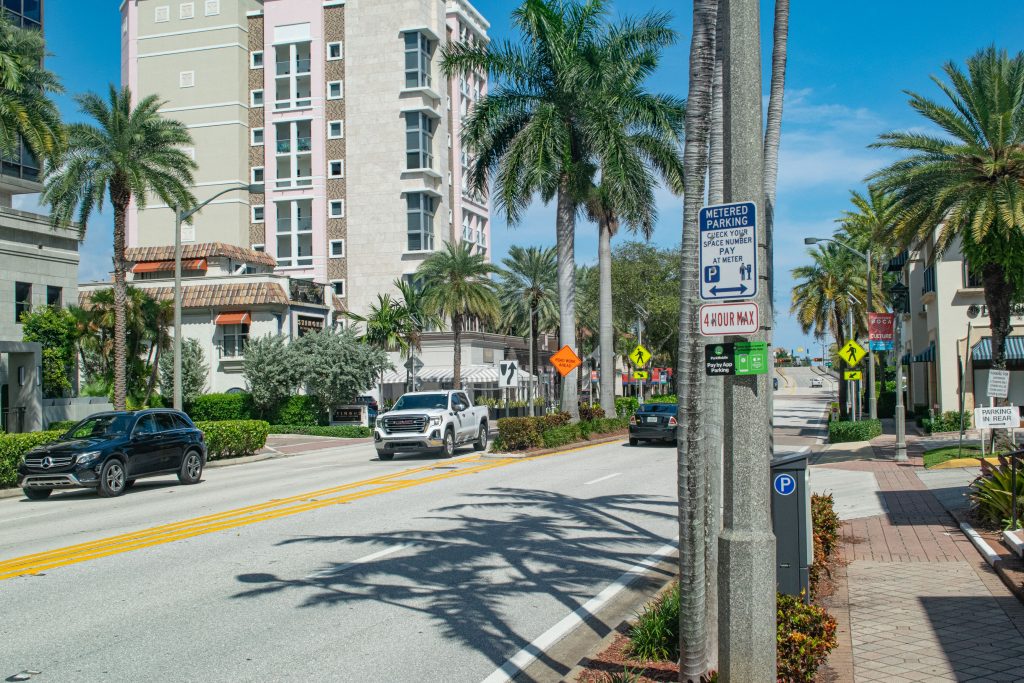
(422, 402)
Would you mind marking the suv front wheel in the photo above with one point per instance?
(113, 479)
(191, 468)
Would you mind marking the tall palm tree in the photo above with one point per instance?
(458, 286)
(26, 110)
(822, 293)
(419, 317)
(967, 182)
(541, 131)
(385, 327)
(528, 293)
(130, 153)
(869, 225)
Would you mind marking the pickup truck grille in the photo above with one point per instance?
(412, 424)
(54, 461)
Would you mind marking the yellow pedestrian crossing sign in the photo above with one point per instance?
(853, 353)
(640, 356)
(853, 375)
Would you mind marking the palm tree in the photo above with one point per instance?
(821, 296)
(129, 154)
(458, 286)
(967, 183)
(385, 327)
(26, 110)
(418, 315)
(528, 285)
(869, 226)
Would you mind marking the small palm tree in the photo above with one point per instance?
(385, 327)
(26, 110)
(129, 154)
(458, 286)
(967, 183)
(419, 317)
(869, 226)
(528, 292)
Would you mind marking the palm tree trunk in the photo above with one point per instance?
(119, 198)
(536, 353)
(692, 470)
(773, 124)
(843, 413)
(152, 376)
(606, 329)
(457, 361)
(566, 242)
(997, 298)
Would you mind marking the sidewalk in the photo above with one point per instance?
(914, 601)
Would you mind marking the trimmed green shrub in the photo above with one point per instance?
(825, 536)
(626, 406)
(655, 635)
(806, 634)
(842, 431)
(61, 425)
(887, 404)
(561, 436)
(663, 398)
(552, 420)
(992, 492)
(518, 433)
(609, 425)
(234, 438)
(216, 407)
(300, 411)
(13, 446)
(948, 421)
(590, 411)
(341, 432)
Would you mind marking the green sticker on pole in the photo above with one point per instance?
(738, 358)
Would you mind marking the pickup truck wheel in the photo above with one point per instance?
(481, 440)
(633, 442)
(385, 455)
(448, 450)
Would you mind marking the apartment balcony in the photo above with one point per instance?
(297, 181)
(284, 225)
(301, 145)
(306, 292)
(288, 67)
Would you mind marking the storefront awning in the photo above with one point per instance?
(241, 318)
(1014, 350)
(905, 360)
(471, 374)
(926, 356)
(168, 266)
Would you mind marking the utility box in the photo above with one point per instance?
(791, 522)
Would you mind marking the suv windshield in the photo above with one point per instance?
(101, 425)
(422, 402)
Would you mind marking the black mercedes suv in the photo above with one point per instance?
(109, 451)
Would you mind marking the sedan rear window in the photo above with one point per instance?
(659, 408)
(99, 426)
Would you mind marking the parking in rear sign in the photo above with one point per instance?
(728, 251)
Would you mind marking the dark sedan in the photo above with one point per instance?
(654, 422)
(109, 451)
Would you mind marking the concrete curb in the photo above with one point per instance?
(990, 555)
(551, 451)
(1015, 542)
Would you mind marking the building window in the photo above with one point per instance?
(335, 90)
(186, 79)
(212, 7)
(419, 140)
(186, 10)
(295, 233)
(420, 213)
(334, 51)
(22, 300)
(335, 130)
(336, 168)
(338, 287)
(294, 153)
(257, 175)
(972, 278)
(54, 296)
(337, 249)
(256, 98)
(292, 77)
(233, 340)
(336, 208)
(467, 232)
(256, 59)
(417, 60)
(258, 212)
(162, 14)
(257, 136)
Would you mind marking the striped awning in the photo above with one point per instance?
(1014, 349)
(896, 263)
(471, 374)
(168, 266)
(926, 356)
(239, 318)
(905, 360)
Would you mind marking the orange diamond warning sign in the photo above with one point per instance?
(566, 360)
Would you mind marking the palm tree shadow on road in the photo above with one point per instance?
(507, 544)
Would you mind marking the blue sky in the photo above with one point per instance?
(848, 66)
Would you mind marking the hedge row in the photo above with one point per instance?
(13, 446)
(345, 432)
(842, 431)
(295, 410)
(551, 431)
(948, 421)
(61, 425)
(234, 438)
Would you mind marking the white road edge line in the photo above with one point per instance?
(610, 476)
(529, 654)
(334, 571)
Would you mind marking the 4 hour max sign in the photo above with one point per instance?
(728, 251)
(724, 319)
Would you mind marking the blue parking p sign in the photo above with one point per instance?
(784, 484)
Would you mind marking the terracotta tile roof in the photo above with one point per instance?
(216, 296)
(199, 251)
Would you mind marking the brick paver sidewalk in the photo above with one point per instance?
(916, 602)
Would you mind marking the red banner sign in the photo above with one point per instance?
(880, 326)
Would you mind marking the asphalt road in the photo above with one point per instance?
(331, 566)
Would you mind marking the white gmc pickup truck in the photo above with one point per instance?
(430, 421)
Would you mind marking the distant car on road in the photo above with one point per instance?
(816, 383)
(109, 451)
(654, 422)
(775, 383)
(430, 421)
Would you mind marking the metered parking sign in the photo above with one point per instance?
(784, 484)
(728, 251)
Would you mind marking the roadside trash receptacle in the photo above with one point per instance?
(791, 522)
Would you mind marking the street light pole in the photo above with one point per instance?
(529, 381)
(179, 218)
(900, 295)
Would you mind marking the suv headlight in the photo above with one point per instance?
(436, 421)
(86, 458)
